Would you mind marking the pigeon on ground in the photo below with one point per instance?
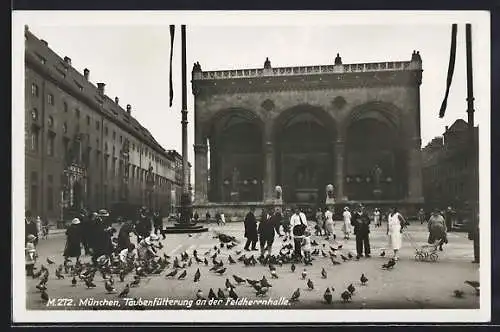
(346, 296)
(363, 279)
(458, 293)
(382, 254)
(252, 282)
(233, 294)
(231, 260)
(125, 291)
(59, 274)
(206, 261)
(324, 275)
(345, 259)
(262, 291)
(109, 288)
(295, 295)
(41, 287)
(238, 279)
(473, 284)
(182, 275)
(44, 296)
(172, 274)
(390, 264)
(197, 275)
(73, 281)
(199, 295)
(211, 294)
(292, 267)
(351, 289)
(136, 282)
(220, 294)
(228, 284)
(334, 262)
(264, 282)
(328, 296)
(89, 283)
(304, 274)
(310, 284)
(50, 261)
(221, 271)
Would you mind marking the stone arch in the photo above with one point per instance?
(303, 137)
(236, 155)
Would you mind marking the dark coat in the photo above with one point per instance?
(124, 235)
(266, 229)
(73, 240)
(251, 226)
(144, 226)
(102, 243)
(361, 223)
(30, 228)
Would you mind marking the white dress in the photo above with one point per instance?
(347, 222)
(329, 225)
(394, 226)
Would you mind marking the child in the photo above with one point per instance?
(306, 246)
(31, 254)
(128, 255)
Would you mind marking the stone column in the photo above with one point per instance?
(200, 173)
(415, 194)
(269, 172)
(339, 150)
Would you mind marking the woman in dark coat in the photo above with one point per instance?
(266, 234)
(102, 244)
(251, 230)
(73, 240)
(124, 235)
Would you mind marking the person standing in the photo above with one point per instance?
(85, 228)
(144, 226)
(207, 217)
(286, 225)
(437, 229)
(124, 234)
(394, 228)
(361, 223)
(329, 224)
(222, 218)
(474, 236)
(320, 223)
(376, 218)
(347, 223)
(30, 254)
(421, 216)
(266, 234)
(307, 246)
(299, 226)
(449, 216)
(276, 220)
(30, 228)
(251, 230)
(158, 224)
(73, 240)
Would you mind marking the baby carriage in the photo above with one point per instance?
(426, 252)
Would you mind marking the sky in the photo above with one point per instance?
(131, 57)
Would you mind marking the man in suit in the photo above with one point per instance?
(361, 222)
(251, 230)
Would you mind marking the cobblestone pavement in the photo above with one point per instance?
(411, 284)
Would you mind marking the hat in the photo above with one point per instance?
(346, 208)
(75, 221)
(30, 238)
(103, 213)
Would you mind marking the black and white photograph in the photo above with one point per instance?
(242, 166)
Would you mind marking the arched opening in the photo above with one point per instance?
(375, 168)
(304, 154)
(236, 158)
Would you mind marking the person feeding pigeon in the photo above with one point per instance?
(361, 223)
(124, 234)
(394, 227)
(145, 250)
(30, 254)
(73, 240)
(437, 229)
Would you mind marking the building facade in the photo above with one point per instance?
(354, 126)
(82, 149)
(450, 167)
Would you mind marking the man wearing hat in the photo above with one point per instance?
(73, 240)
(361, 223)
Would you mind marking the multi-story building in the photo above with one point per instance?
(82, 148)
(450, 168)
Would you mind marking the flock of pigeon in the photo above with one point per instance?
(86, 272)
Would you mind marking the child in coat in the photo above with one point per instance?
(30, 253)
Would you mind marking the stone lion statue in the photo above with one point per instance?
(329, 191)
(278, 192)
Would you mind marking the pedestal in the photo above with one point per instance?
(186, 225)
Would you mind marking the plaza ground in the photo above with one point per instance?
(410, 285)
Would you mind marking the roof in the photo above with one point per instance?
(38, 52)
(458, 125)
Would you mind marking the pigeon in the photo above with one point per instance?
(339, 246)
(73, 281)
(215, 248)
(199, 295)
(59, 274)
(310, 284)
(122, 275)
(345, 259)
(182, 275)
(314, 243)
(233, 294)
(238, 252)
(231, 260)
(198, 260)
(334, 262)
(363, 279)
(346, 296)
(195, 253)
(172, 274)
(109, 288)
(125, 291)
(213, 256)
(190, 262)
(211, 294)
(206, 261)
(333, 249)
(41, 287)
(323, 253)
(221, 271)
(274, 274)
(44, 296)
(351, 289)
(222, 244)
(257, 287)
(252, 282)
(324, 275)
(350, 255)
(292, 267)
(304, 274)
(197, 275)
(229, 285)
(458, 293)
(220, 294)
(295, 295)
(264, 282)
(390, 264)
(238, 279)
(50, 261)
(136, 282)
(272, 267)
(89, 283)
(328, 296)
(262, 291)
(190, 235)
(382, 254)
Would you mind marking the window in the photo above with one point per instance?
(34, 90)
(113, 168)
(88, 120)
(65, 107)
(77, 113)
(97, 143)
(50, 144)
(50, 99)
(50, 199)
(65, 128)
(114, 135)
(34, 114)
(105, 166)
(121, 139)
(34, 139)
(50, 121)
(97, 124)
(114, 150)
(65, 141)
(105, 131)
(106, 147)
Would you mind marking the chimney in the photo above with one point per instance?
(117, 100)
(446, 128)
(100, 87)
(44, 42)
(67, 60)
(86, 73)
(129, 109)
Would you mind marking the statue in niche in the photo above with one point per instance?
(235, 179)
(329, 191)
(279, 192)
(377, 173)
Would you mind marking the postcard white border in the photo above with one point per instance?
(481, 23)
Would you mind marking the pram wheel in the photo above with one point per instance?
(433, 257)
